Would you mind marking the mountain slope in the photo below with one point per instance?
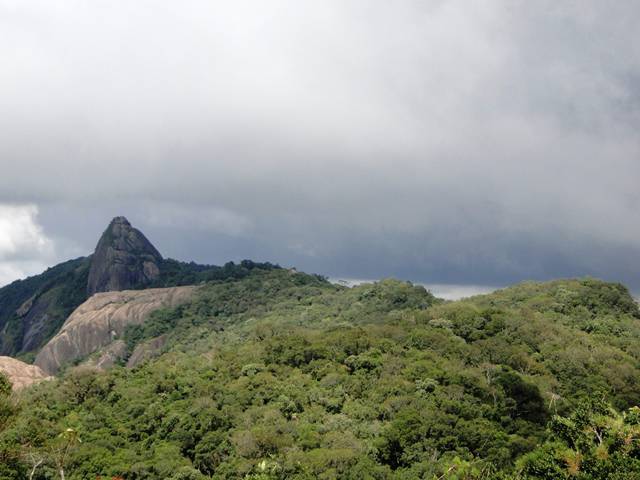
(32, 310)
(284, 375)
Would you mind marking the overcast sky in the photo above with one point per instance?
(452, 142)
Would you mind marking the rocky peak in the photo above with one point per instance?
(123, 259)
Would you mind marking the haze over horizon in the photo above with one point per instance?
(443, 142)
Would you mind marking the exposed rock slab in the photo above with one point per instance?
(103, 318)
(35, 320)
(26, 306)
(146, 351)
(123, 259)
(109, 356)
(21, 374)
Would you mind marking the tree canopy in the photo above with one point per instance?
(275, 374)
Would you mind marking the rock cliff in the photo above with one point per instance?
(123, 259)
(21, 374)
(32, 310)
(102, 319)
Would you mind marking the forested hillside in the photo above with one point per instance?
(283, 375)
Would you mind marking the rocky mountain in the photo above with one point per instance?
(123, 259)
(102, 319)
(33, 310)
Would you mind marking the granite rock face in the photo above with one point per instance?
(123, 259)
(35, 320)
(146, 351)
(109, 356)
(102, 319)
(21, 374)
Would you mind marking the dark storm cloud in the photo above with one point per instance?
(442, 141)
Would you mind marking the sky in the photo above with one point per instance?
(465, 142)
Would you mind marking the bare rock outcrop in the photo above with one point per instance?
(21, 374)
(123, 259)
(146, 351)
(109, 356)
(102, 319)
(35, 318)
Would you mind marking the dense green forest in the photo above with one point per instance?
(275, 374)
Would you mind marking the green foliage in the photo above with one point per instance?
(7, 408)
(593, 443)
(281, 375)
(525, 398)
(5, 386)
(175, 273)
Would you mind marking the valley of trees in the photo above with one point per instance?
(273, 374)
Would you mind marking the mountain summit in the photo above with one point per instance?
(123, 258)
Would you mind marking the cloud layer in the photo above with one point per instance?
(24, 248)
(442, 141)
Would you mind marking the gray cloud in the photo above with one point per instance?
(442, 141)
(24, 247)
